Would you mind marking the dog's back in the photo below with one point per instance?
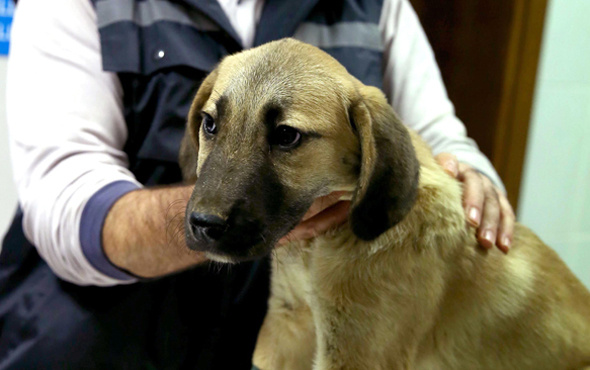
(524, 310)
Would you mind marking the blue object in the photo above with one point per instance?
(6, 12)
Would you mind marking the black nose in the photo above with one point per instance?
(209, 227)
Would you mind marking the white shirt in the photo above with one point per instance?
(243, 16)
(67, 129)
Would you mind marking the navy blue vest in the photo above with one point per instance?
(208, 317)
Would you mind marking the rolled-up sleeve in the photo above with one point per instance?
(66, 132)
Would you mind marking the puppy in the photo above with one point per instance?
(403, 284)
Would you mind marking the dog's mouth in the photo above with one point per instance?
(241, 243)
(233, 247)
(221, 258)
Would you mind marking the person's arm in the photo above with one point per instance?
(67, 132)
(87, 215)
(144, 232)
(413, 83)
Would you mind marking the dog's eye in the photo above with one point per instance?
(209, 124)
(286, 137)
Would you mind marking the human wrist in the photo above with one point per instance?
(143, 232)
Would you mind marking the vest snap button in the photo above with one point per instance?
(159, 55)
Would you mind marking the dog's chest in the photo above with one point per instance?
(294, 267)
(291, 280)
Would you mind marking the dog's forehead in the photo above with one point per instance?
(269, 78)
(313, 109)
(297, 84)
(285, 67)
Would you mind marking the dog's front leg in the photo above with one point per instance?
(373, 312)
(286, 341)
(349, 339)
(287, 338)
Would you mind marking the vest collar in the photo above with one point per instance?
(213, 10)
(280, 18)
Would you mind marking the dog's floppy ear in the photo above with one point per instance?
(189, 146)
(389, 172)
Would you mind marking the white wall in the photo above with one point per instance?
(7, 189)
(555, 192)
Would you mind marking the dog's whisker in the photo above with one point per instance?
(275, 259)
(174, 228)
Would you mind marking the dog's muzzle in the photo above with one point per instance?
(237, 237)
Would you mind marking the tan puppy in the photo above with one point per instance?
(402, 285)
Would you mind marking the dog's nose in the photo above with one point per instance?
(210, 227)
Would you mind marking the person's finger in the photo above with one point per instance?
(506, 230)
(321, 222)
(473, 193)
(490, 221)
(322, 203)
(449, 163)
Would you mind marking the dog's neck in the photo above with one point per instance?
(438, 194)
(424, 226)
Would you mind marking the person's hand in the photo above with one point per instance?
(325, 212)
(486, 206)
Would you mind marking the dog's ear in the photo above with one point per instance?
(189, 146)
(389, 173)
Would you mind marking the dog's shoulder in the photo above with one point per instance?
(437, 217)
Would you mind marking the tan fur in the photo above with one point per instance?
(422, 295)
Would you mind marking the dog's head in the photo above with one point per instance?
(275, 127)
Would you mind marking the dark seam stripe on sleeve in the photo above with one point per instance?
(91, 223)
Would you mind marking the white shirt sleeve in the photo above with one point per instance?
(415, 89)
(66, 130)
